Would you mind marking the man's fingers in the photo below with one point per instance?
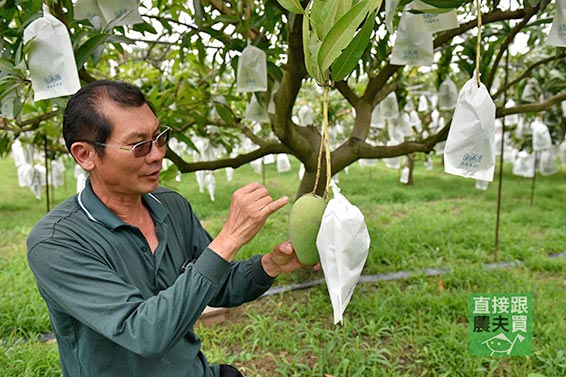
(276, 204)
(250, 187)
(287, 248)
(284, 248)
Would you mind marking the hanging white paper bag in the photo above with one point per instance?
(252, 70)
(524, 164)
(229, 174)
(545, 162)
(405, 172)
(377, 120)
(481, 185)
(423, 104)
(343, 244)
(447, 95)
(123, 12)
(257, 165)
(51, 60)
(210, 183)
(470, 146)
(255, 112)
(562, 152)
(389, 107)
(390, 12)
(283, 163)
(557, 33)
(87, 9)
(305, 116)
(411, 47)
(268, 159)
(433, 19)
(541, 136)
(393, 162)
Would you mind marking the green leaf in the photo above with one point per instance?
(199, 12)
(224, 112)
(306, 44)
(343, 7)
(445, 3)
(5, 144)
(341, 34)
(347, 61)
(6, 65)
(293, 6)
(274, 71)
(431, 10)
(9, 88)
(89, 47)
(144, 27)
(323, 16)
(320, 76)
(185, 139)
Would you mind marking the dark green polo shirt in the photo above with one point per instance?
(116, 308)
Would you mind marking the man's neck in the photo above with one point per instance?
(129, 208)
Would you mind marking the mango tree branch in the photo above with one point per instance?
(187, 167)
(495, 15)
(505, 45)
(531, 107)
(528, 71)
(302, 140)
(347, 92)
(229, 11)
(354, 149)
(26, 125)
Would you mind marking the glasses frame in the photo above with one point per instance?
(166, 133)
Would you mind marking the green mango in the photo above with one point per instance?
(303, 225)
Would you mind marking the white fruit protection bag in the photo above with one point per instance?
(470, 146)
(255, 112)
(557, 34)
(541, 136)
(343, 244)
(252, 70)
(411, 47)
(435, 21)
(123, 12)
(447, 95)
(51, 61)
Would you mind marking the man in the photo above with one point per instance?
(125, 266)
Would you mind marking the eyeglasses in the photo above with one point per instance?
(143, 148)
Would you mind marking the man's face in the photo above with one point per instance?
(118, 172)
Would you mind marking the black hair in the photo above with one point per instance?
(84, 119)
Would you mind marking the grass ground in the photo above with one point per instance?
(416, 326)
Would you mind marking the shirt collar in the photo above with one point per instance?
(98, 212)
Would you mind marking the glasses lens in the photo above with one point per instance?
(143, 148)
(163, 138)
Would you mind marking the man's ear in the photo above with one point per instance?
(84, 154)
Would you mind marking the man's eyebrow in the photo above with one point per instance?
(142, 135)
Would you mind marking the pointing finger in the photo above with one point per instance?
(276, 204)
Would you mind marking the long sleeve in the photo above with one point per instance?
(97, 297)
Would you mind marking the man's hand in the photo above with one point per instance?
(251, 206)
(281, 259)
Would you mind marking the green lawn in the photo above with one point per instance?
(414, 326)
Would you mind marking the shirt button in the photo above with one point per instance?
(144, 249)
